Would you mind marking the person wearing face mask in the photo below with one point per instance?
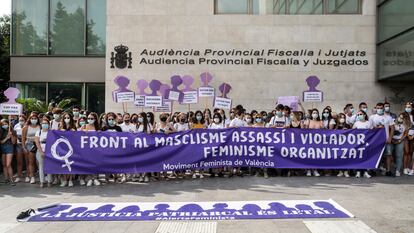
(165, 127)
(7, 141)
(327, 119)
(28, 137)
(182, 124)
(248, 119)
(224, 120)
(342, 125)
(363, 107)
(409, 111)
(350, 115)
(379, 120)
(151, 121)
(387, 111)
(401, 127)
(40, 139)
(110, 125)
(198, 121)
(127, 126)
(217, 122)
(67, 124)
(259, 123)
(92, 124)
(362, 122)
(143, 126)
(18, 147)
(76, 113)
(134, 118)
(57, 113)
(313, 123)
(279, 120)
(80, 123)
(409, 143)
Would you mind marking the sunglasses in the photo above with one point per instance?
(91, 118)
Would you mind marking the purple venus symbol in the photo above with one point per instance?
(187, 82)
(142, 85)
(312, 82)
(155, 86)
(11, 94)
(122, 82)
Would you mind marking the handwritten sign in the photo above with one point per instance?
(153, 101)
(139, 100)
(190, 97)
(166, 107)
(206, 91)
(223, 103)
(11, 109)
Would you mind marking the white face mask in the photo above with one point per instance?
(67, 121)
(342, 120)
(314, 116)
(248, 120)
(56, 116)
(216, 120)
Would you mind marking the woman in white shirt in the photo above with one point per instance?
(401, 127)
(19, 149)
(362, 122)
(40, 140)
(143, 126)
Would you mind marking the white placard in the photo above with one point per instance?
(312, 96)
(139, 100)
(190, 97)
(11, 109)
(125, 97)
(153, 101)
(166, 107)
(174, 95)
(411, 132)
(223, 103)
(206, 91)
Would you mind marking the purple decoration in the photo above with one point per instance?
(312, 82)
(206, 78)
(142, 85)
(122, 82)
(175, 82)
(11, 94)
(164, 90)
(155, 86)
(187, 82)
(224, 88)
(339, 149)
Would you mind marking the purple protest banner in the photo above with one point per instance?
(110, 152)
(224, 210)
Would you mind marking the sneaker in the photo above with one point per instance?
(63, 183)
(146, 179)
(12, 183)
(17, 180)
(141, 179)
(32, 180)
(194, 176)
(123, 179)
(55, 181)
(89, 184)
(397, 173)
(27, 179)
(96, 182)
(25, 214)
(201, 176)
(266, 176)
(41, 185)
(411, 172)
(308, 173)
(367, 175)
(82, 182)
(346, 174)
(316, 173)
(358, 174)
(340, 174)
(70, 183)
(405, 171)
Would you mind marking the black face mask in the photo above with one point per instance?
(134, 120)
(182, 120)
(163, 119)
(126, 121)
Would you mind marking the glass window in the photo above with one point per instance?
(394, 17)
(395, 56)
(262, 7)
(279, 7)
(96, 27)
(297, 7)
(67, 27)
(232, 6)
(343, 6)
(31, 90)
(95, 95)
(29, 27)
(61, 91)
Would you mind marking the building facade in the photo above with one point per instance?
(360, 50)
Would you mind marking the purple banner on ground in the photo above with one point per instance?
(229, 210)
(110, 152)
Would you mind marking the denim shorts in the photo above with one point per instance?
(7, 149)
(18, 148)
(29, 146)
(388, 149)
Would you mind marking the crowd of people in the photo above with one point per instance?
(24, 137)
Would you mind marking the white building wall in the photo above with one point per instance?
(191, 24)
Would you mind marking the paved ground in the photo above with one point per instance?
(383, 203)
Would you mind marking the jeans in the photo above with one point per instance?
(40, 160)
(399, 153)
